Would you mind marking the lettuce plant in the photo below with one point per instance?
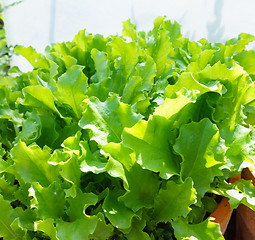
(126, 137)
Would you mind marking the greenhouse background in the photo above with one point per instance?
(38, 23)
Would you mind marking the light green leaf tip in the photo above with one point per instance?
(71, 88)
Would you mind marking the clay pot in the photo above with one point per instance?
(223, 212)
(245, 217)
(249, 174)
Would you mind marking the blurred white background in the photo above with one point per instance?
(40, 22)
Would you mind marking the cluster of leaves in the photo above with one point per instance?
(126, 137)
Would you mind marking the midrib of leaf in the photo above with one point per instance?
(9, 229)
(41, 102)
(100, 116)
(75, 105)
(37, 167)
(151, 146)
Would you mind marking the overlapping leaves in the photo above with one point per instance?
(114, 139)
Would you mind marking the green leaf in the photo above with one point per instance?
(86, 42)
(45, 199)
(99, 90)
(7, 190)
(205, 230)
(118, 214)
(79, 204)
(239, 144)
(121, 153)
(147, 71)
(241, 192)
(197, 214)
(136, 232)
(209, 203)
(116, 170)
(174, 29)
(48, 130)
(47, 226)
(129, 29)
(69, 61)
(91, 162)
(160, 51)
(247, 60)
(26, 218)
(237, 45)
(82, 40)
(30, 131)
(65, 131)
(235, 84)
(22, 194)
(70, 170)
(39, 97)
(157, 23)
(128, 52)
(249, 96)
(35, 59)
(132, 92)
(149, 140)
(32, 164)
(72, 144)
(187, 82)
(6, 230)
(19, 231)
(107, 119)
(142, 194)
(137, 87)
(79, 229)
(59, 157)
(171, 106)
(197, 144)
(80, 225)
(202, 61)
(7, 113)
(230, 78)
(71, 88)
(101, 64)
(103, 231)
(174, 201)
